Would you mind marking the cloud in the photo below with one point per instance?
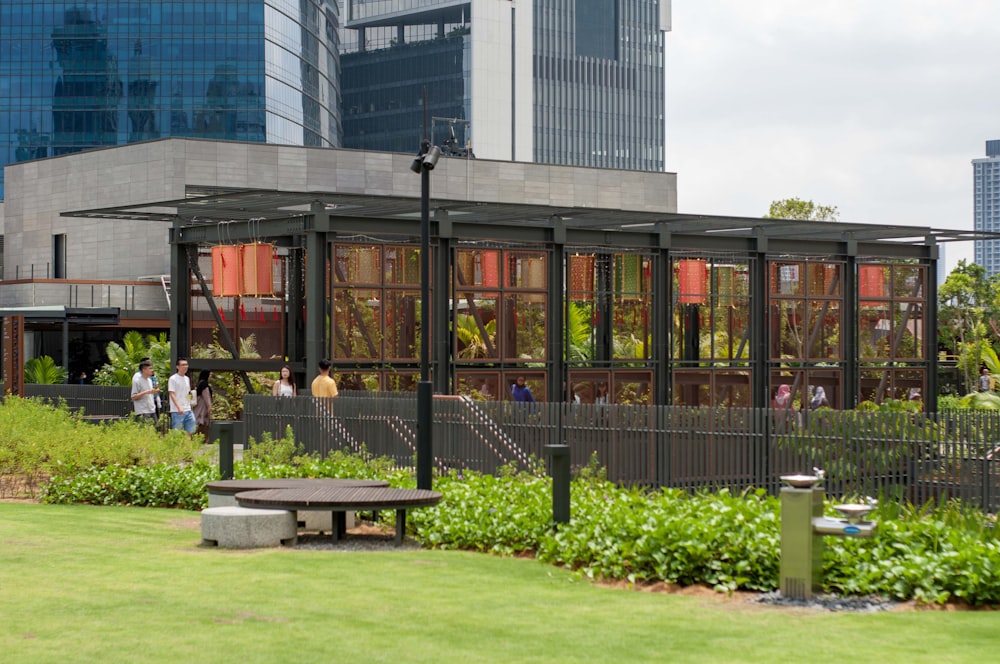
(875, 107)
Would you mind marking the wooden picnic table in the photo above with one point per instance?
(340, 500)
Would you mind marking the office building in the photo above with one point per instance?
(570, 82)
(80, 75)
(986, 206)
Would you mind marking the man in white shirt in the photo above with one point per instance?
(143, 392)
(179, 392)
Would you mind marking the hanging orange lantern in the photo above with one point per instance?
(226, 273)
(693, 279)
(256, 269)
(871, 282)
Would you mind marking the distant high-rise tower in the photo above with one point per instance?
(986, 198)
(570, 82)
(79, 75)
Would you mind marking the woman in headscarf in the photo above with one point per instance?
(819, 399)
(783, 399)
(203, 404)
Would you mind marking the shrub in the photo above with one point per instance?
(38, 439)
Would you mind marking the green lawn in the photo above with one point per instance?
(110, 584)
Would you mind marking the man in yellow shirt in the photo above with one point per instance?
(323, 385)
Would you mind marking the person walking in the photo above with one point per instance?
(284, 386)
(203, 403)
(179, 393)
(144, 392)
(324, 385)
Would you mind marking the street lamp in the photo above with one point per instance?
(424, 163)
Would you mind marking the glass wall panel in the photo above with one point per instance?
(726, 388)
(711, 315)
(357, 324)
(476, 326)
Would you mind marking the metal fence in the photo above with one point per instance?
(916, 456)
(92, 399)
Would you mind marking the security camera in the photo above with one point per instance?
(431, 158)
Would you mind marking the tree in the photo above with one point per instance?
(796, 208)
(967, 314)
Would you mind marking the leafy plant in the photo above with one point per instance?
(123, 359)
(43, 371)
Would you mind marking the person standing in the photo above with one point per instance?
(179, 392)
(323, 385)
(519, 391)
(985, 381)
(143, 392)
(284, 386)
(203, 403)
(819, 399)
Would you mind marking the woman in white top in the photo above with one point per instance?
(284, 387)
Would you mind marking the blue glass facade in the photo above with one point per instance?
(388, 67)
(78, 75)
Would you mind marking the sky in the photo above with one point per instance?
(874, 106)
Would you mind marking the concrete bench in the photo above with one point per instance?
(235, 527)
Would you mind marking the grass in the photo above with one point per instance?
(116, 584)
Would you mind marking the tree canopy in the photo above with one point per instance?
(796, 208)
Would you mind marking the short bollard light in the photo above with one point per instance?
(560, 481)
(228, 433)
(803, 527)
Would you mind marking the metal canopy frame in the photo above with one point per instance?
(310, 220)
(215, 205)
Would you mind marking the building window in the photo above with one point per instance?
(59, 256)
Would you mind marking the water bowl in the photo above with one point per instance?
(800, 481)
(854, 513)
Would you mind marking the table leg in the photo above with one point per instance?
(338, 525)
(400, 526)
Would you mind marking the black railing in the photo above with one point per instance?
(916, 456)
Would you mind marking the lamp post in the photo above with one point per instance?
(424, 163)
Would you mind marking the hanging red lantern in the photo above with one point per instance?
(491, 268)
(581, 278)
(871, 282)
(226, 274)
(256, 261)
(693, 280)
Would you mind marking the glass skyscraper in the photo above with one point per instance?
(571, 82)
(77, 75)
(986, 206)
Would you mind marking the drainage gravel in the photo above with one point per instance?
(866, 604)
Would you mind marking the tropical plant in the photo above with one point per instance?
(123, 359)
(470, 339)
(579, 332)
(43, 371)
(228, 387)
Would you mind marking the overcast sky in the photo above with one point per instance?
(875, 106)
